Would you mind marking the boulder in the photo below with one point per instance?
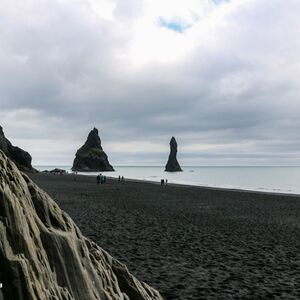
(172, 164)
(43, 254)
(91, 157)
(21, 158)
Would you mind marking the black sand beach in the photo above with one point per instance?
(190, 242)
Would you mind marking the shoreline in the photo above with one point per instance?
(281, 186)
(209, 187)
(238, 190)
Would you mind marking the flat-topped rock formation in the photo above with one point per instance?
(91, 157)
(21, 158)
(43, 254)
(172, 164)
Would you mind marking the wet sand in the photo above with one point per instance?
(190, 242)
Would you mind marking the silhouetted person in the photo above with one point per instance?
(166, 181)
(119, 178)
(98, 179)
(162, 182)
(122, 178)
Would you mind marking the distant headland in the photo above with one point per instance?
(20, 157)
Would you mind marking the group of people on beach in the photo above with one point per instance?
(164, 182)
(101, 179)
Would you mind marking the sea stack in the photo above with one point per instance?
(43, 254)
(91, 157)
(172, 164)
(21, 158)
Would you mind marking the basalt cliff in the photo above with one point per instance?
(91, 157)
(172, 164)
(44, 256)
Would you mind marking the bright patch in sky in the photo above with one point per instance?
(219, 1)
(103, 8)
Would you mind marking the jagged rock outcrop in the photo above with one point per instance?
(91, 157)
(21, 158)
(172, 164)
(44, 256)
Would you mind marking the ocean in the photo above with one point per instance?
(264, 179)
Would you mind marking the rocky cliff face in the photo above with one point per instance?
(91, 157)
(21, 158)
(172, 164)
(44, 256)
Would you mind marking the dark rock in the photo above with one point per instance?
(91, 157)
(21, 158)
(58, 171)
(43, 254)
(172, 164)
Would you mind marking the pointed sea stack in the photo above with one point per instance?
(91, 157)
(21, 158)
(43, 254)
(172, 164)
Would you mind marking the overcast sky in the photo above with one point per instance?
(223, 77)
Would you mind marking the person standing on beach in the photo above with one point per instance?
(119, 178)
(98, 179)
(166, 181)
(122, 178)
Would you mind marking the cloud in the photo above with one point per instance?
(227, 87)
